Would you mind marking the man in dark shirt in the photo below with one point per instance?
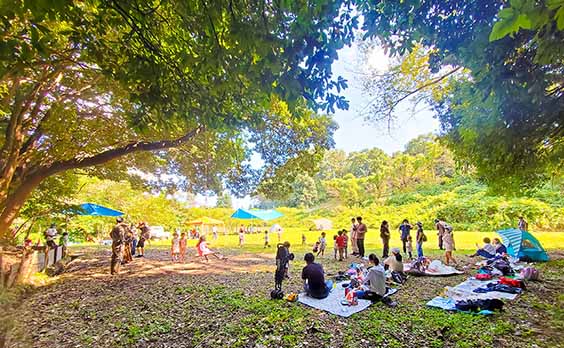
(314, 279)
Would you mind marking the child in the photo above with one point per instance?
(322, 244)
(266, 239)
(346, 238)
(448, 243)
(409, 247)
(335, 248)
(64, 242)
(204, 251)
(420, 238)
(303, 239)
(182, 246)
(316, 247)
(241, 237)
(175, 248)
(341, 243)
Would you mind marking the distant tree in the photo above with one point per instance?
(492, 72)
(224, 200)
(304, 192)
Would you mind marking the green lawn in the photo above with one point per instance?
(464, 240)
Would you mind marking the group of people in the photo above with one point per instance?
(126, 242)
(371, 286)
(358, 231)
(179, 246)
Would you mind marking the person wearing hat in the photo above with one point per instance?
(50, 235)
(118, 234)
(405, 229)
(440, 225)
(419, 239)
(395, 265)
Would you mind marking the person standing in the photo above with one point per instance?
(279, 232)
(214, 232)
(440, 226)
(354, 245)
(419, 239)
(385, 235)
(448, 243)
(266, 240)
(360, 234)
(341, 243)
(64, 242)
(134, 239)
(117, 234)
(127, 238)
(405, 229)
(522, 224)
(50, 235)
(346, 238)
(145, 235)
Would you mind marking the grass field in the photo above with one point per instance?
(463, 240)
(157, 303)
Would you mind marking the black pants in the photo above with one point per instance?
(386, 250)
(404, 242)
(360, 244)
(374, 297)
(440, 242)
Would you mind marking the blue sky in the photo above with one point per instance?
(356, 134)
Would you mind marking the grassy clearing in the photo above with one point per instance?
(226, 304)
(255, 242)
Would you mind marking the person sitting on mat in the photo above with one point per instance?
(395, 264)
(488, 250)
(500, 248)
(375, 283)
(314, 279)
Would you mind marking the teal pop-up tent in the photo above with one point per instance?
(248, 214)
(522, 244)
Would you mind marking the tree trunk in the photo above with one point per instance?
(14, 203)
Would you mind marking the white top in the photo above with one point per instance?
(394, 264)
(214, 229)
(50, 234)
(490, 249)
(376, 280)
(175, 245)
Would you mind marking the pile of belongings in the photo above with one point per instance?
(497, 280)
(424, 266)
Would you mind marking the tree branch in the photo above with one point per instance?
(109, 155)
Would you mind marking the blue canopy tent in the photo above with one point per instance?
(522, 244)
(92, 209)
(248, 214)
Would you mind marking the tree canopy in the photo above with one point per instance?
(84, 83)
(504, 112)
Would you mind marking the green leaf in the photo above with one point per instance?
(559, 17)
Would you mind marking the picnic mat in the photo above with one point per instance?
(465, 291)
(332, 303)
(450, 305)
(436, 268)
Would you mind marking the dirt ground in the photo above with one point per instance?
(155, 303)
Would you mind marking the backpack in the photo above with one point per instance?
(530, 273)
(423, 236)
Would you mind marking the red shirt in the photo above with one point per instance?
(341, 241)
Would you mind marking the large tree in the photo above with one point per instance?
(504, 111)
(83, 83)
